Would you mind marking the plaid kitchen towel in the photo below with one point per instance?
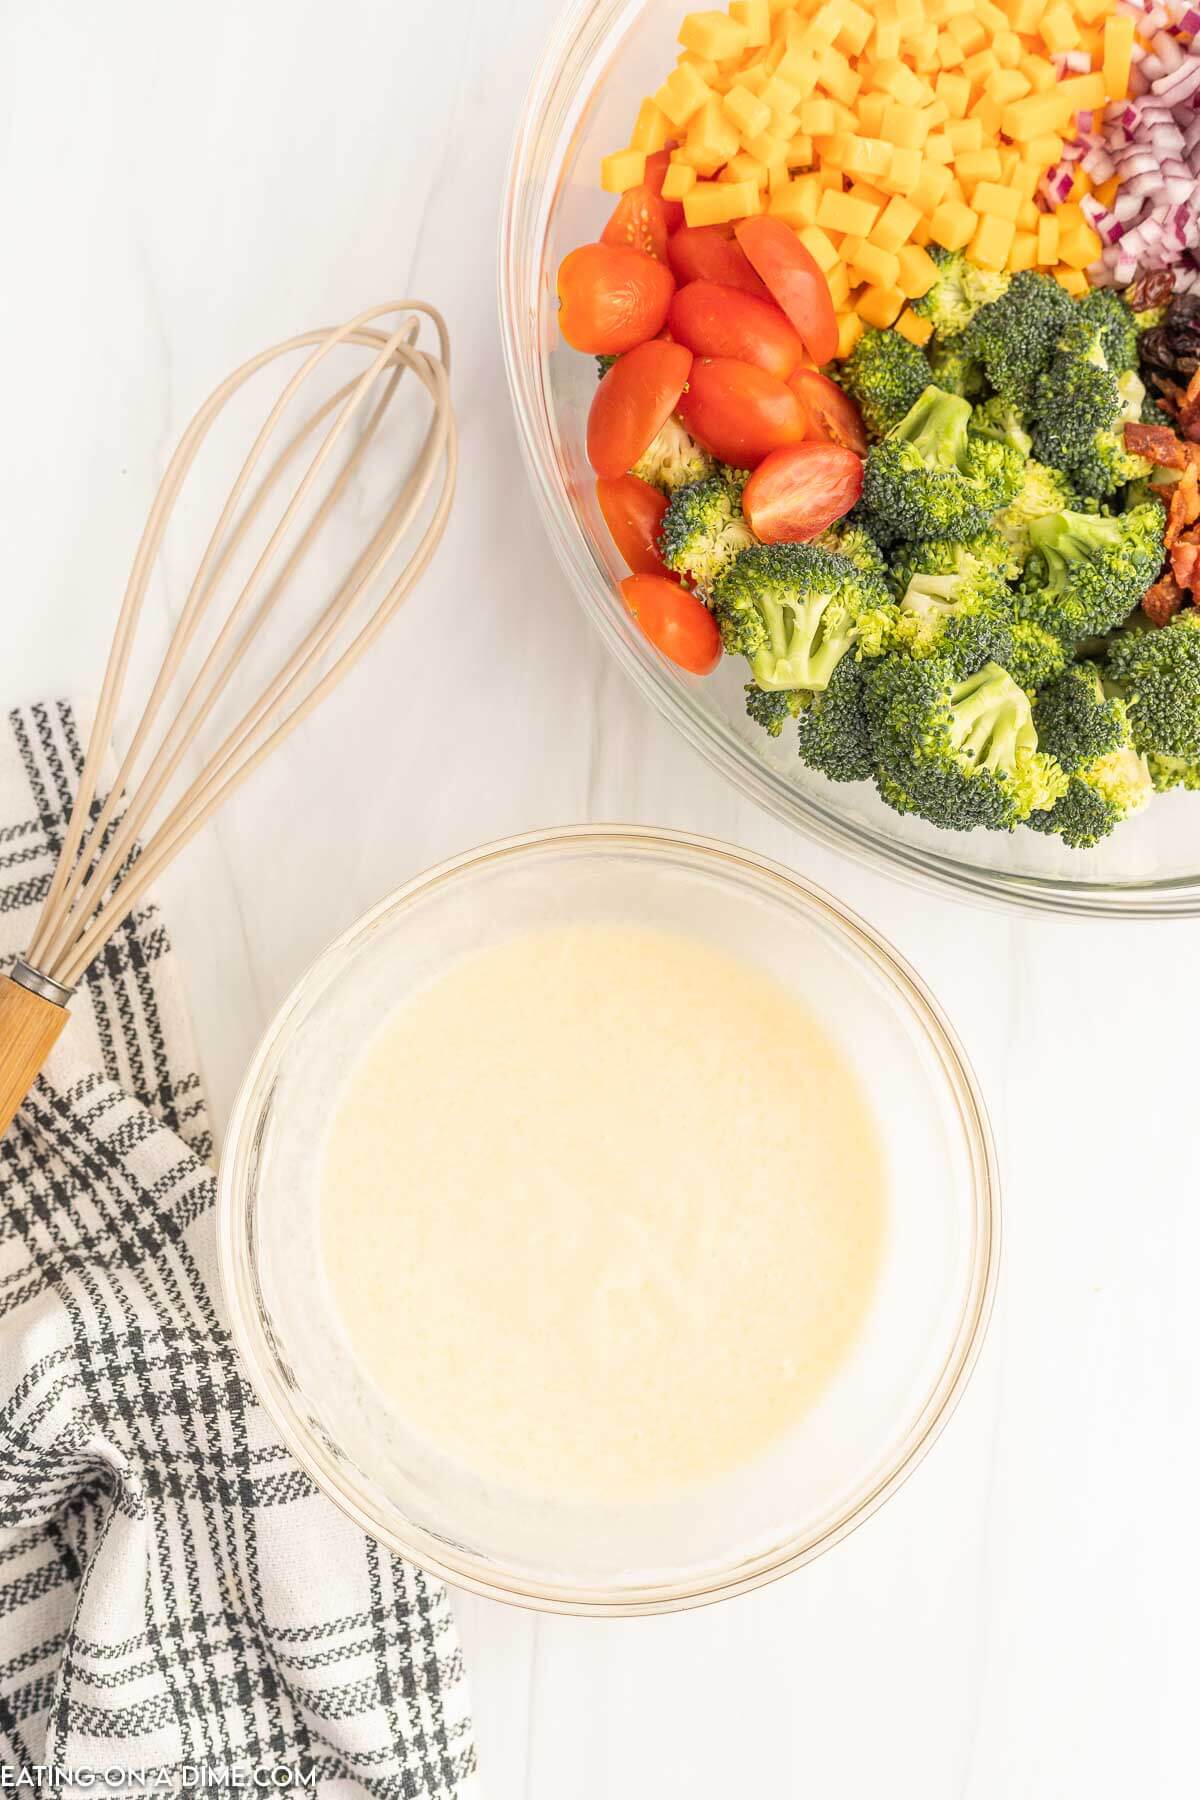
(175, 1596)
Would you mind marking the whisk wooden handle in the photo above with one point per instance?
(29, 1029)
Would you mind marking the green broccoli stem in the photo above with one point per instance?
(986, 725)
(936, 427)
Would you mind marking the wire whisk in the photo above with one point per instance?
(114, 849)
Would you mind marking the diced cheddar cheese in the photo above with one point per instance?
(917, 331)
(850, 329)
(876, 128)
(716, 202)
(953, 225)
(623, 169)
(918, 271)
(1074, 280)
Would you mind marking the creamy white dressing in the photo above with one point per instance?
(602, 1212)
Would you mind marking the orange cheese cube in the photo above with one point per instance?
(1023, 254)
(800, 152)
(717, 202)
(1106, 193)
(969, 31)
(1025, 15)
(1041, 75)
(850, 329)
(651, 130)
(819, 247)
(856, 27)
(846, 212)
(838, 281)
(1008, 50)
(978, 165)
(708, 71)
(992, 242)
(880, 307)
(922, 47)
(953, 226)
(835, 75)
(1025, 179)
(1027, 218)
(1058, 30)
(678, 181)
(871, 109)
(1035, 115)
(905, 171)
(903, 126)
(1118, 54)
(988, 113)
(1044, 150)
(1082, 92)
(744, 167)
(1074, 280)
(896, 79)
(950, 53)
(997, 202)
(1004, 85)
(817, 118)
(796, 202)
(1079, 247)
(917, 331)
(747, 112)
(939, 149)
(682, 95)
(965, 135)
(868, 156)
(918, 271)
(895, 224)
(712, 34)
(781, 96)
(955, 91)
(931, 189)
(977, 68)
(1091, 10)
(754, 16)
(623, 169)
(881, 268)
(888, 40)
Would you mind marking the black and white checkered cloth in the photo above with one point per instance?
(174, 1593)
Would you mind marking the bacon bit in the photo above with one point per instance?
(1157, 443)
(1163, 600)
(1185, 563)
(1189, 410)
(1184, 509)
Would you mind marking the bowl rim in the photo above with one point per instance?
(557, 92)
(455, 1563)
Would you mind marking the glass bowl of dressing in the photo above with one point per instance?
(609, 1221)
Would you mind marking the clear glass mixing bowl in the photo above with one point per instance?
(881, 1411)
(603, 57)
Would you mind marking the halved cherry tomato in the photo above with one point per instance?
(634, 401)
(715, 320)
(675, 621)
(703, 253)
(795, 281)
(639, 220)
(797, 493)
(657, 165)
(633, 512)
(738, 412)
(611, 298)
(832, 414)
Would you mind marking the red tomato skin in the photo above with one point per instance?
(797, 493)
(639, 220)
(739, 412)
(675, 622)
(703, 253)
(794, 280)
(633, 512)
(612, 298)
(833, 416)
(633, 402)
(715, 320)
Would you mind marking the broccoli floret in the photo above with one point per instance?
(1035, 656)
(985, 554)
(961, 753)
(793, 610)
(604, 363)
(673, 459)
(1088, 734)
(950, 367)
(1075, 397)
(1107, 311)
(1043, 490)
(930, 477)
(1015, 336)
(1153, 412)
(958, 292)
(1087, 571)
(835, 738)
(1157, 673)
(855, 542)
(885, 374)
(703, 530)
(966, 619)
(1150, 316)
(772, 711)
(1106, 465)
(999, 418)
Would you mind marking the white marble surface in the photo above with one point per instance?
(180, 186)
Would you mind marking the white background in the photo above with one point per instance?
(183, 184)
